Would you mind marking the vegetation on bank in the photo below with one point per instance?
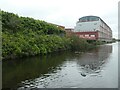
(19, 45)
(24, 36)
(79, 44)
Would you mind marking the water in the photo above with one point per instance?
(97, 68)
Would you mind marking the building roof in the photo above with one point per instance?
(91, 18)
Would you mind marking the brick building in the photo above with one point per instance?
(93, 28)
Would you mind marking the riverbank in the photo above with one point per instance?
(24, 36)
(19, 45)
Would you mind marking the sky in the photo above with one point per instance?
(65, 12)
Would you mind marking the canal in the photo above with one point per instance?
(97, 68)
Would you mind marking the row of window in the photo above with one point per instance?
(87, 35)
(88, 18)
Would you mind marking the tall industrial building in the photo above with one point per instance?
(93, 28)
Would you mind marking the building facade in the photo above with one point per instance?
(60, 26)
(93, 28)
(69, 31)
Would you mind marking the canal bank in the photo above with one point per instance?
(97, 68)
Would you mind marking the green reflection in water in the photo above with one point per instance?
(15, 71)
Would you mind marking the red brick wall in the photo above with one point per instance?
(88, 35)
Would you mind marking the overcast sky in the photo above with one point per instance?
(65, 12)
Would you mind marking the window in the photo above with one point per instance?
(89, 18)
(83, 19)
(92, 35)
(87, 35)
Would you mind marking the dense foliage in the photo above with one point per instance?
(79, 44)
(32, 43)
(24, 36)
(12, 23)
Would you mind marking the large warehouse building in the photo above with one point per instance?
(93, 28)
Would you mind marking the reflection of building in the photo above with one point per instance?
(93, 28)
(92, 62)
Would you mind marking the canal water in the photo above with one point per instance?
(97, 68)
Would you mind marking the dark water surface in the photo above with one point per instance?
(93, 69)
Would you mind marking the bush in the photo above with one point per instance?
(12, 23)
(19, 45)
(80, 44)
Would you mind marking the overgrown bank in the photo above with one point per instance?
(24, 36)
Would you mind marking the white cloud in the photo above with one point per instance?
(64, 12)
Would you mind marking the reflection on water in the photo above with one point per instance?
(93, 62)
(62, 70)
